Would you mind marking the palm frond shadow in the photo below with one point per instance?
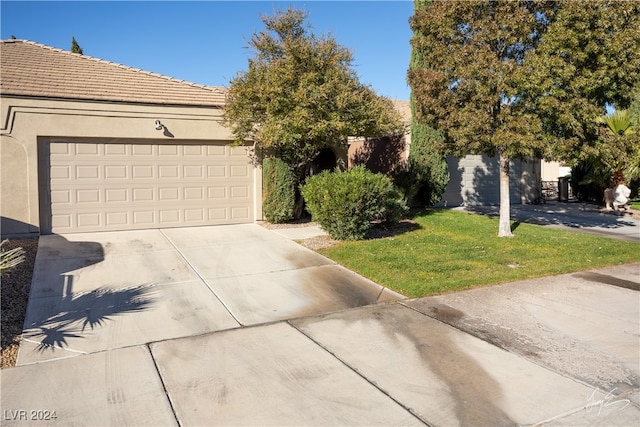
(73, 317)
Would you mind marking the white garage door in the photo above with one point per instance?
(124, 186)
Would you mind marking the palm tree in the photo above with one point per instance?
(618, 130)
(618, 123)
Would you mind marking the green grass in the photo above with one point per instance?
(635, 204)
(452, 250)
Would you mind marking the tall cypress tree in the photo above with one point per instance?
(75, 47)
(424, 156)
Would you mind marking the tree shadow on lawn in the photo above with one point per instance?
(380, 231)
(406, 225)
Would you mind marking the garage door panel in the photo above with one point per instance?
(120, 186)
(117, 172)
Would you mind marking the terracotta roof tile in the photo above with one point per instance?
(32, 69)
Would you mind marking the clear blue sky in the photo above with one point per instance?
(206, 41)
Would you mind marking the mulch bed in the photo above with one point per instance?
(15, 284)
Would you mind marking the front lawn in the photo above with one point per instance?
(451, 250)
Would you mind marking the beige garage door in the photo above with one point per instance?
(125, 186)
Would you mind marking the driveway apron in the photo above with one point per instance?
(100, 291)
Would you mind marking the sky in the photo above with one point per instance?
(206, 42)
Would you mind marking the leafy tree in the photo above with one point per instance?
(588, 61)
(301, 95)
(427, 164)
(634, 108)
(610, 158)
(75, 47)
(467, 85)
(632, 171)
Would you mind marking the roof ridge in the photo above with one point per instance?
(219, 89)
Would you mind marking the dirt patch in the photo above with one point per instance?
(318, 242)
(15, 286)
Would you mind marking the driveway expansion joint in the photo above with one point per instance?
(164, 386)
(361, 375)
(197, 273)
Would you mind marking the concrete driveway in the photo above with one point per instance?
(238, 325)
(101, 291)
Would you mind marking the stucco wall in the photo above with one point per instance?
(379, 154)
(25, 121)
(475, 180)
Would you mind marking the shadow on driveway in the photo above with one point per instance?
(67, 314)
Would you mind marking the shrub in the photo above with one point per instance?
(428, 164)
(278, 190)
(346, 203)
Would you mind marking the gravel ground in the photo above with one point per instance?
(15, 285)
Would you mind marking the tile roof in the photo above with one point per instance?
(32, 69)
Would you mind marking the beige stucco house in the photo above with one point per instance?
(89, 145)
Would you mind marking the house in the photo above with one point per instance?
(474, 179)
(89, 145)
(386, 153)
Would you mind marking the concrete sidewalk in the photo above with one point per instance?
(237, 325)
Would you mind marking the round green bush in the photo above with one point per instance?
(346, 203)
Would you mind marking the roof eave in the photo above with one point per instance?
(110, 101)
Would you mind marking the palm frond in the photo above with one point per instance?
(10, 258)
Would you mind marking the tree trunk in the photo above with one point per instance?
(301, 172)
(504, 229)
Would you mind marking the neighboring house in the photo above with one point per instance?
(551, 171)
(89, 145)
(383, 154)
(474, 179)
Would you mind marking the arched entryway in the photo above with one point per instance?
(325, 160)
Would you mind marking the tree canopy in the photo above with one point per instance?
(300, 94)
(427, 165)
(468, 87)
(589, 61)
(523, 78)
(75, 47)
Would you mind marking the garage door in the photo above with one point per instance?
(124, 186)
